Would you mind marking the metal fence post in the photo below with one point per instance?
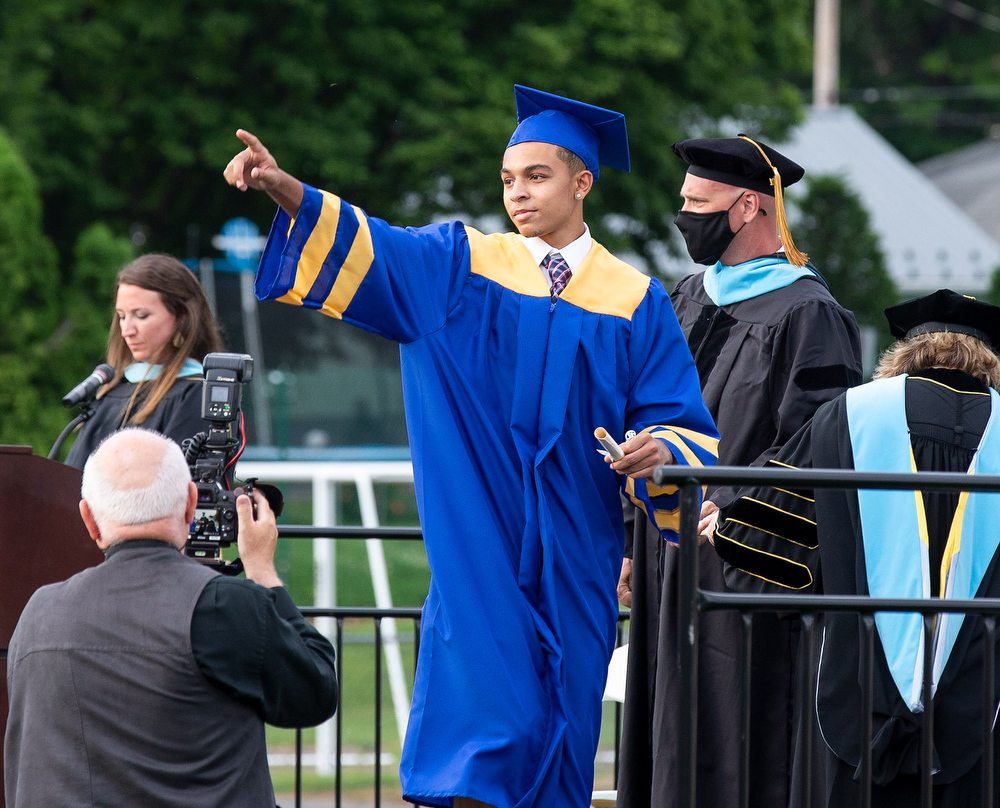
(927, 730)
(989, 705)
(867, 701)
(688, 641)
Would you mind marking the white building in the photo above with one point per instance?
(970, 178)
(928, 241)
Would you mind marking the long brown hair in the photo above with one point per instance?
(196, 328)
(942, 349)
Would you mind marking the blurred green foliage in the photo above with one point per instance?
(993, 293)
(126, 111)
(933, 76)
(51, 330)
(835, 230)
(125, 116)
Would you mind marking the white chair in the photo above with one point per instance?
(614, 690)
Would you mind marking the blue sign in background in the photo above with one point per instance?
(241, 242)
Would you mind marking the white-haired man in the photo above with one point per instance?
(147, 680)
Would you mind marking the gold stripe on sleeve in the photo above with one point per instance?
(780, 510)
(771, 533)
(669, 520)
(793, 494)
(678, 441)
(354, 269)
(773, 462)
(657, 491)
(710, 445)
(314, 252)
(769, 555)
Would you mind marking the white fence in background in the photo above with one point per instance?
(324, 477)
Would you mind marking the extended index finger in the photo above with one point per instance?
(251, 140)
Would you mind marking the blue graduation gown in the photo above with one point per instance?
(521, 516)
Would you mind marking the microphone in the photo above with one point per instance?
(87, 389)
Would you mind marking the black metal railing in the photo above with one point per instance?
(377, 615)
(694, 601)
(339, 615)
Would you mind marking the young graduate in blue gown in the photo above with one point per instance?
(507, 370)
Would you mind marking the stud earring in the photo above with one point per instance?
(178, 340)
(578, 196)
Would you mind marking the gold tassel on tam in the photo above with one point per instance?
(791, 252)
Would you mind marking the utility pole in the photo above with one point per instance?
(826, 54)
(242, 244)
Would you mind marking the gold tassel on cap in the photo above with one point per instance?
(791, 252)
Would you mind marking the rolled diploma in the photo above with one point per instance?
(609, 443)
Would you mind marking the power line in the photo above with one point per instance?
(870, 95)
(967, 12)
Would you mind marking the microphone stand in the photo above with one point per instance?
(86, 413)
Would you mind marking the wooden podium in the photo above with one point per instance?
(42, 540)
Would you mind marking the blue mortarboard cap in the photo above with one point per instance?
(594, 134)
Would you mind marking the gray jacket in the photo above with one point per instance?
(108, 706)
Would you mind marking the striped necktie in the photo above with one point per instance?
(559, 273)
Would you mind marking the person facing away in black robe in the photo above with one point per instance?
(771, 345)
(782, 540)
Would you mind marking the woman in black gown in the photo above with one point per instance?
(161, 331)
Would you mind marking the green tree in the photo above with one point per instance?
(836, 232)
(931, 75)
(126, 111)
(993, 293)
(28, 313)
(50, 333)
(126, 114)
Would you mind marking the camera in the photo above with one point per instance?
(211, 457)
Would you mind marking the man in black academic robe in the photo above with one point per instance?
(771, 345)
(777, 540)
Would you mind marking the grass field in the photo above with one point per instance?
(409, 577)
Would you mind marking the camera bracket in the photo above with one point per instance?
(210, 456)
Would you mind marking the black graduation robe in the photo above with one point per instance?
(177, 416)
(765, 365)
(776, 540)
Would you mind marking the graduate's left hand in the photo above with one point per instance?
(643, 453)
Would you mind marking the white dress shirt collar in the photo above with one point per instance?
(573, 253)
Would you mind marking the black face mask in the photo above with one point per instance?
(707, 235)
